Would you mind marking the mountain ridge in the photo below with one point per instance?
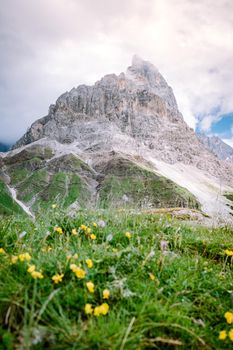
(133, 116)
(217, 146)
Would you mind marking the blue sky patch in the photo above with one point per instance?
(223, 126)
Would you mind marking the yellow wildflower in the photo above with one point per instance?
(2, 251)
(229, 252)
(88, 309)
(101, 310)
(31, 268)
(89, 263)
(88, 230)
(128, 235)
(75, 256)
(104, 308)
(57, 278)
(58, 230)
(97, 311)
(37, 274)
(94, 224)
(74, 232)
(231, 334)
(152, 277)
(90, 287)
(80, 273)
(24, 257)
(229, 317)
(83, 227)
(54, 206)
(106, 294)
(14, 259)
(222, 335)
(93, 237)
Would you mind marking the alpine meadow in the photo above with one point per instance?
(116, 205)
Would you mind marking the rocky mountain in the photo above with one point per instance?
(119, 143)
(217, 146)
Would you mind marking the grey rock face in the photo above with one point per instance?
(217, 146)
(146, 76)
(133, 102)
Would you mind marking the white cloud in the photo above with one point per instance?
(205, 123)
(49, 46)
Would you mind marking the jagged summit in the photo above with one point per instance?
(142, 66)
(146, 76)
(128, 100)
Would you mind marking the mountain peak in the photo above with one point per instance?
(142, 67)
(139, 63)
(146, 76)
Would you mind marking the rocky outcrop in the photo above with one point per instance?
(215, 145)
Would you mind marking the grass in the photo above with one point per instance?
(229, 196)
(43, 188)
(38, 185)
(7, 205)
(66, 187)
(169, 297)
(121, 182)
(142, 188)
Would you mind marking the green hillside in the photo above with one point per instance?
(7, 205)
(41, 179)
(39, 183)
(141, 187)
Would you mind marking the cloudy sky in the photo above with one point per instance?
(49, 46)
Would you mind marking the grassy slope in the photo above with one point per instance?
(142, 187)
(40, 182)
(7, 205)
(184, 305)
(49, 187)
(56, 182)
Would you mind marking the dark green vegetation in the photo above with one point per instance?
(229, 196)
(39, 183)
(7, 205)
(169, 284)
(142, 188)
